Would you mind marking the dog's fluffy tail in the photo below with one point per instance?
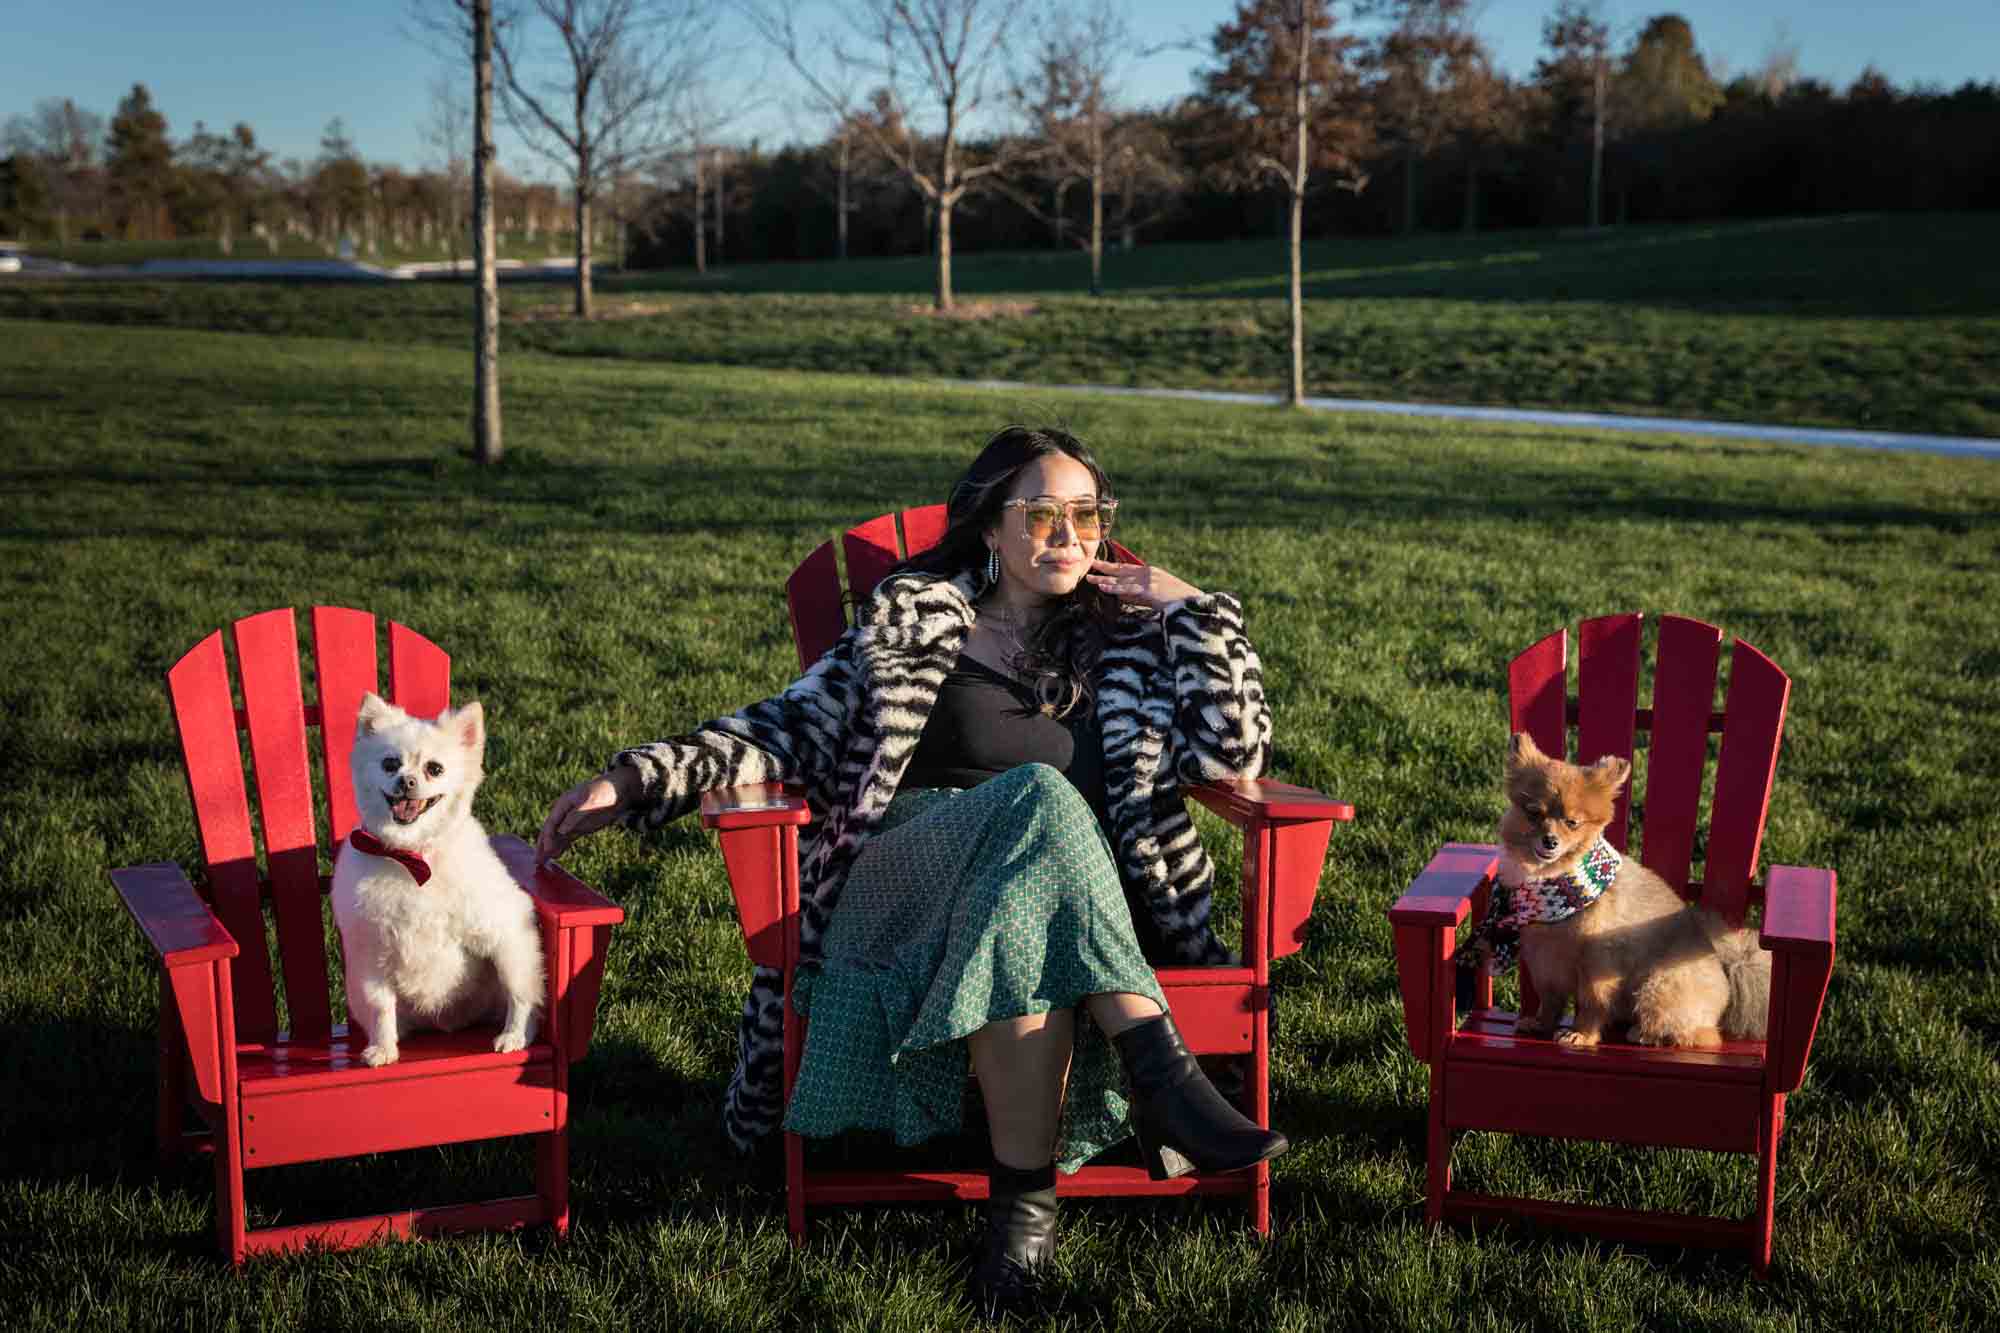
(1748, 968)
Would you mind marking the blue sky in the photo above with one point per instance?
(289, 66)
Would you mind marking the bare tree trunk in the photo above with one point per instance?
(720, 178)
(1597, 148)
(486, 446)
(700, 227)
(1409, 189)
(1298, 184)
(944, 208)
(1471, 221)
(582, 246)
(1097, 230)
(840, 199)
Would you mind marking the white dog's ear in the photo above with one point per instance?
(468, 725)
(376, 713)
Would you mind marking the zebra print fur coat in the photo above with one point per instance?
(1179, 698)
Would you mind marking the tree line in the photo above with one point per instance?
(1413, 128)
(66, 178)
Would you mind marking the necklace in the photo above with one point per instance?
(1000, 621)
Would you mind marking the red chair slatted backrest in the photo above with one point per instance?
(276, 718)
(1679, 722)
(871, 550)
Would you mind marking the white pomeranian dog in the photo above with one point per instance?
(434, 931)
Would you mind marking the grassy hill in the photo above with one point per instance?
(1885, 322)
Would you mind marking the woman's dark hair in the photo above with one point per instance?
(1063, 649)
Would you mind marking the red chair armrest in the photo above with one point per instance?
(1442, 894)
(560, 897)
(1251, 800)
(758, 827)
(195, 950)
(173, 916)
(759, 805)
(576, 935)
(1799, 910)
(1799, 906)
(1425, 920)
(1285, 831)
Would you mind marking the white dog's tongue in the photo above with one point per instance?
(407, 809)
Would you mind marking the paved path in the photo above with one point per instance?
(1964, 446)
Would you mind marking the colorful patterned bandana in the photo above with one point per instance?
(1498, 937)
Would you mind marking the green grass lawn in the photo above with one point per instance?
(619, 577)
(1884, 323)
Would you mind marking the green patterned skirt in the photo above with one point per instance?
(967, 907)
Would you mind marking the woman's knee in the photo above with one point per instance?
(1040, 782)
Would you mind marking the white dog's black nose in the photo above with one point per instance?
(405, 784)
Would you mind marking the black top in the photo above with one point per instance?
(985, 723)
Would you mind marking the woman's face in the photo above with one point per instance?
(1037, 568)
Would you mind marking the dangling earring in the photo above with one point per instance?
(992, 569)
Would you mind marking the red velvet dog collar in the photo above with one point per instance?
(364, 841)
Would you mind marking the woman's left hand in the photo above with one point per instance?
(1149, 585)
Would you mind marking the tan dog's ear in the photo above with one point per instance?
(1609, 773)
(376, 713)
(1522, 752)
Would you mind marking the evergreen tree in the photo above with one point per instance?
(139, 168)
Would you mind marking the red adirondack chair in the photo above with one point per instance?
(1727, 1099)
(1219, 1010)
(269, 1096)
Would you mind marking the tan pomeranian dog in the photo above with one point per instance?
(1605, 930)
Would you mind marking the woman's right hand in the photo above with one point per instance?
(583, 809)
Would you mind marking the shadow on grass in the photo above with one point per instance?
(1778, 265)
(358, 500)
(643, 1143)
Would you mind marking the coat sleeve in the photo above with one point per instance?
(1222, 728)
(793, 736)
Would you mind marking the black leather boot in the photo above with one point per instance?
(1020, 1238)
(1182, 1122)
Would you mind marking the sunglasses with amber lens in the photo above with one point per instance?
(1040, 517)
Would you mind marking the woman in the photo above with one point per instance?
(1004, 703)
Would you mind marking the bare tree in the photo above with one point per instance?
(701, 115)
(835, 93)
(1575, 77)
(1145, 178)
(63, 139)
(448, 134)
(467, 30)
(1430, 68)
(486, 445)
(1069, 94)
(1294, 108)
(590, 86)
(942, 56)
